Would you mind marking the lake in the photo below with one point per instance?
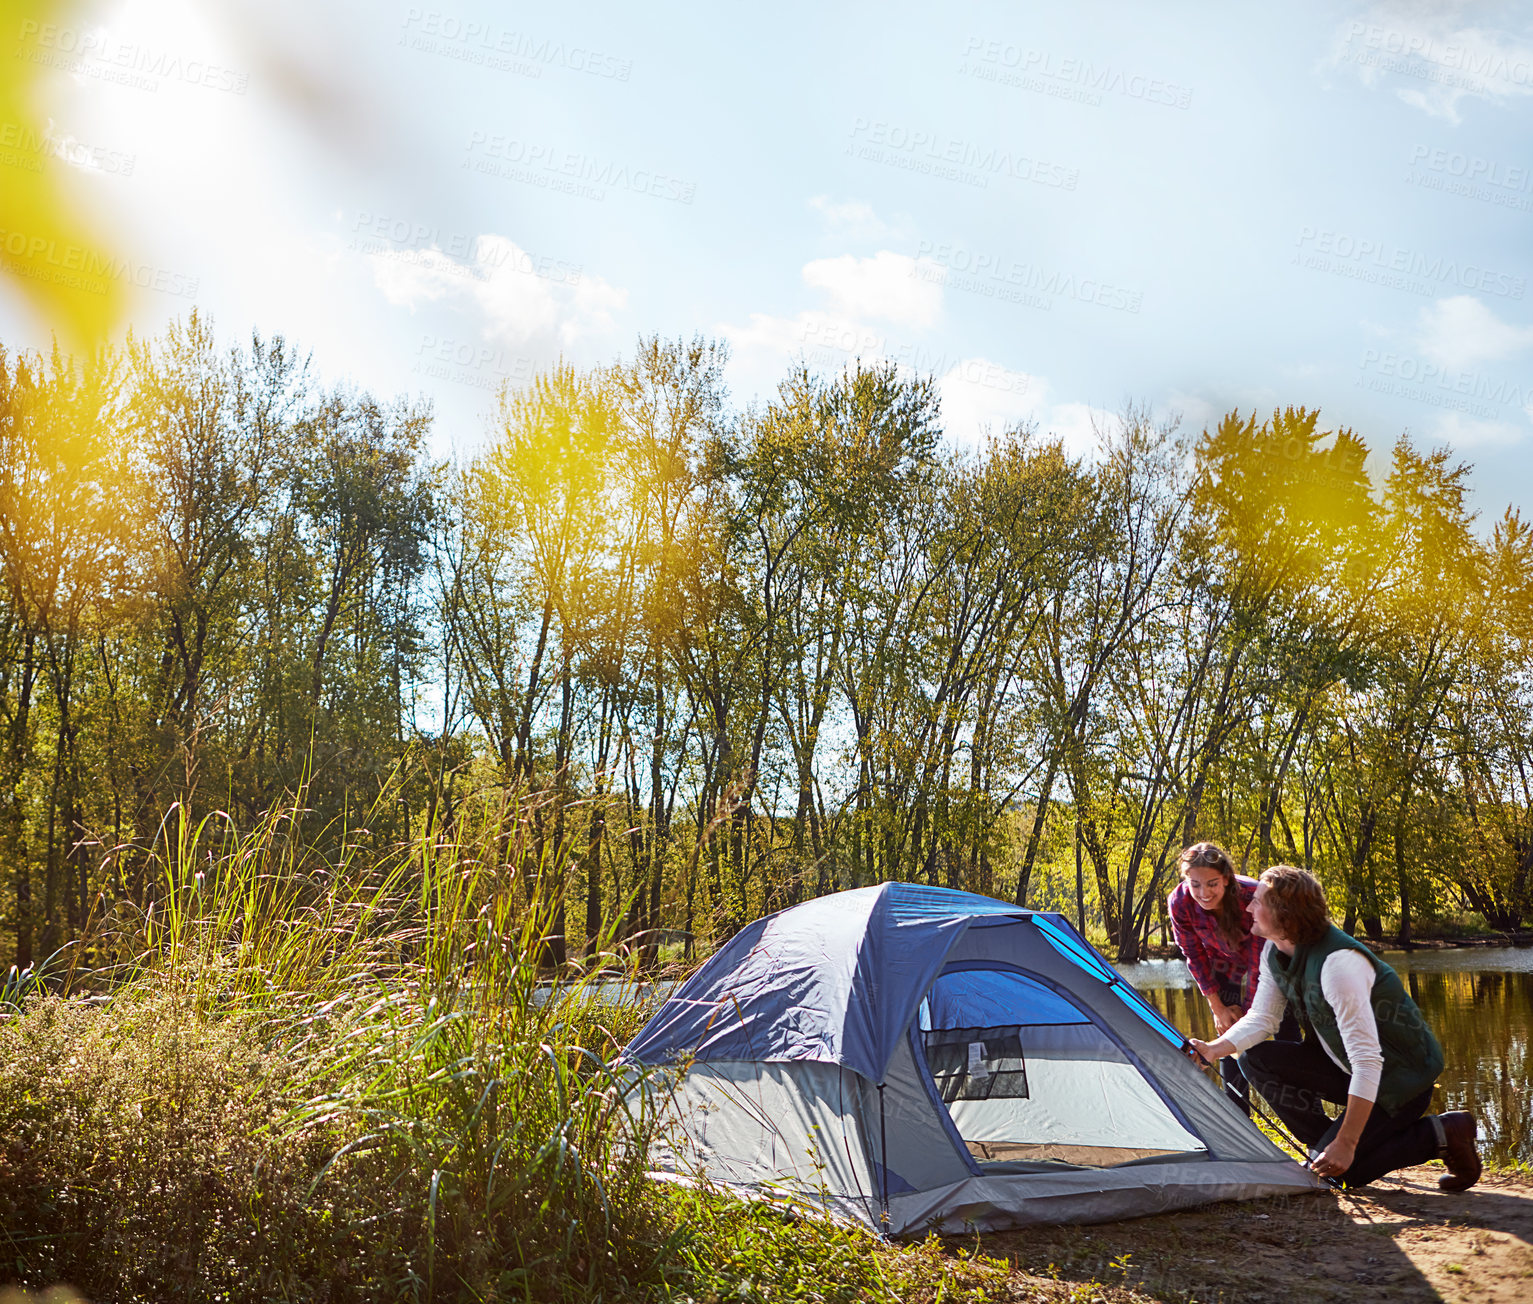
(1479, 1002)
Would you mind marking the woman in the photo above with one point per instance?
(1211, 920)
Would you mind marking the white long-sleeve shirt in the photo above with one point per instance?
(1346, 980)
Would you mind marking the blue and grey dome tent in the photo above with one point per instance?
(912, 1057)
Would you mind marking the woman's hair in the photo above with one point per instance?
(1230, 915)
(1297, 902)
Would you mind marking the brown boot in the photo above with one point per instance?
(1459, 1151)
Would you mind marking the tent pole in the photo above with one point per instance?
(883, 1162)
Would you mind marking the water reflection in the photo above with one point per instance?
(1480, 1004)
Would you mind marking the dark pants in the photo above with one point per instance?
(1296, 1077)
(1235, 1085)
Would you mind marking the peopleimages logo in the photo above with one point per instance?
(1335, 466)
(94, 53)
(985, 58)
(42, 258)
(1470, 176)
(1471, 167)
(471, 363)
(951, 157)
(25, 147)
(825, 340)
(1471, 392)
(995, 276)
(1378, 262)
(582, 175)
(458, 252)
(1418, 55)
(504, 49)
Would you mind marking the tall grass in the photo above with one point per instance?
(329, 1078)
(348, 1077)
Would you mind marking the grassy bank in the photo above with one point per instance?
(343, 1079)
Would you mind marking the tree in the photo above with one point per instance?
(64, 531)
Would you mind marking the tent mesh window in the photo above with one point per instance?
(977, 1063)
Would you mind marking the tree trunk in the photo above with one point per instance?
(1080, 882)
(1401, 872)
(1035, 837)
(13, 823)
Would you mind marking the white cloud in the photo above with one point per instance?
(1461, 332)
(852, 219)
(1432, 56)
(887, 287)
(980, 397)
(1196, 413)
(520, 298)
(596, 304)
(409, 277)
(828, 341)
(762, 349)
(864, 297)
(1459, 432)
(518, 305)
(1078, 425)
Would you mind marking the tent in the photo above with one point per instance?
(913, 1057)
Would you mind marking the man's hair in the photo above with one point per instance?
(1297, 901)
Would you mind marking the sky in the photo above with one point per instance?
(1055, 211)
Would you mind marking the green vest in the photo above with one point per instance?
(1412, 1056)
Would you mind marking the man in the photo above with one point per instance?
(1365, 1046)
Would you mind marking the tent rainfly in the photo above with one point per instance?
(913, 1057)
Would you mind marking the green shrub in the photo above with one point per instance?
(140, 1157)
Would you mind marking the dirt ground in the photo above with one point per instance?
(1399, 1239)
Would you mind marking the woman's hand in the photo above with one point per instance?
(1225, 1016)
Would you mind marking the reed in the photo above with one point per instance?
(354, 1076)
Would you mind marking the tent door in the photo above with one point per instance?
(1031, 1079)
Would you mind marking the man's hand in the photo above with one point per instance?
(1336, 1159)
(1338, 1156)
(1210, 1052)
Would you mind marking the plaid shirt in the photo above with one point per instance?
(1209, 958)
